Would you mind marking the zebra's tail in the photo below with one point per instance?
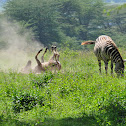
(88, 43)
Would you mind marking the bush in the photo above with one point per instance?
(42, 80)
(113, 112)
(25, 102)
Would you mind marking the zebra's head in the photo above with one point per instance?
(119, 68)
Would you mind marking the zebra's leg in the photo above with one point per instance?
(42, 58)
(99, 63)
(111, 67)
(36, 58)
(106, 67)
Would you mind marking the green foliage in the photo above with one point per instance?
(68, 22)
(116, 1)
(77, 95)
(41, 16)
(24, 102)
(42, 81)
(52, 21)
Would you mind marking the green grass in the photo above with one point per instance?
(75, 96)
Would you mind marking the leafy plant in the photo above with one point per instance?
(25, 102)
(77, 95)
(42, 80)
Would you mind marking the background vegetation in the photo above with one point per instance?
(116, 1)
(68, 22)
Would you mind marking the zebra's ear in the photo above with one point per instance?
(124, 60)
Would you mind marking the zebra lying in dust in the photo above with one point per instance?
(53, 63)
(105, 49)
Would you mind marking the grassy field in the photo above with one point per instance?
(75, 96)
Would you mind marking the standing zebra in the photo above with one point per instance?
(105, 49)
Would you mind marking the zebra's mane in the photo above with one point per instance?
(112, 42)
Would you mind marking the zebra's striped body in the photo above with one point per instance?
(102, 48)
(105, 49)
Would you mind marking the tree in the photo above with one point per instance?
(56, 21)
(41, 15)
(78, 16)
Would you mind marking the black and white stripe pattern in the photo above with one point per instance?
(105, 49)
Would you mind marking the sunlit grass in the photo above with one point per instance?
(77, 95)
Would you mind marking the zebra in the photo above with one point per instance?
(105, 49)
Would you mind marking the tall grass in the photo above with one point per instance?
(75, 96)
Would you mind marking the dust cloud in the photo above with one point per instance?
(19, 47)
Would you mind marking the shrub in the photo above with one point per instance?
(42, 80)
(25, 102)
